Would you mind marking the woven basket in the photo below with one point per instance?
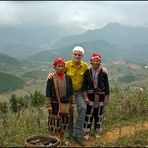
(42, 141)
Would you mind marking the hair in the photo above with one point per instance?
(78, 48)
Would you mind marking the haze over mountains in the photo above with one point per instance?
(43, 44)
(22, 41)
(114, 42)
(124, 36)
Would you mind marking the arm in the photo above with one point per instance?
(84, 87)
(106, 89)
(48, 95)
(72, 97)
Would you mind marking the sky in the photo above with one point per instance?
(83, 14)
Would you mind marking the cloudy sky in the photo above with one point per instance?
(84, 14)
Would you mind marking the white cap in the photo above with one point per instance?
(78, 48)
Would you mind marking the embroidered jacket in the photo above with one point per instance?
(103, 83)
(51, 94)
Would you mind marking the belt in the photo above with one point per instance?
(95, 92)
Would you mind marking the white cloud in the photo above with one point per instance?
(85, 14)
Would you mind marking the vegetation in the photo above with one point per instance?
(127, 106)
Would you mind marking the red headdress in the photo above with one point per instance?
(96, 56)
(57, 61)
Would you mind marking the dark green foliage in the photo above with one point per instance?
(13, 103)
(3, 108)
(37, 98)
(9, 82)
(16, 103)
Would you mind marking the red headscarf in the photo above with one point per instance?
(57, 61)
(96, 56)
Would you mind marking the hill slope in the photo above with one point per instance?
(9, 82)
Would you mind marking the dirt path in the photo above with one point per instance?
(116, 133)
(113, 135)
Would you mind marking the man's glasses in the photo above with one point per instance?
(77, 54)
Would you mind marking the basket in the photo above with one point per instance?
(42, 141)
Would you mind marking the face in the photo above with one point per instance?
(60, 68)
(96, 63)
(77, 56)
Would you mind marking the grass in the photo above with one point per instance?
(16, 130)
(126, 107)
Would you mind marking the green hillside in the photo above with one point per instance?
(5, 59)
(36, 74)
(9, 82)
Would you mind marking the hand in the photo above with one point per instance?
(49, 109)
(85, 97)
(72, 106)
(50, 75)
(104, 70)
(86, 101)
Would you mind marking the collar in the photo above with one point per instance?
(72, 64)
(98, 70)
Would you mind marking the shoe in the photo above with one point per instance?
(98, 130)
(86, 137)
(79, 141)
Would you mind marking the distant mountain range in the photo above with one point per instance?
(23, 41)
(113, 33)
(110, 52)
(43, 44)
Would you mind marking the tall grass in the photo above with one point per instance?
(125, 107)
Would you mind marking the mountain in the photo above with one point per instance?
(114, 42)
(22, 41)
(113, 33)
(7, 60)
(101, 46)
(110, 52)
(136, 53)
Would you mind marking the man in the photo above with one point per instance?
(76, 68)
(95, 93)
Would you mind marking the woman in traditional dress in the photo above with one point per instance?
(59, 99)
(96, 94)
